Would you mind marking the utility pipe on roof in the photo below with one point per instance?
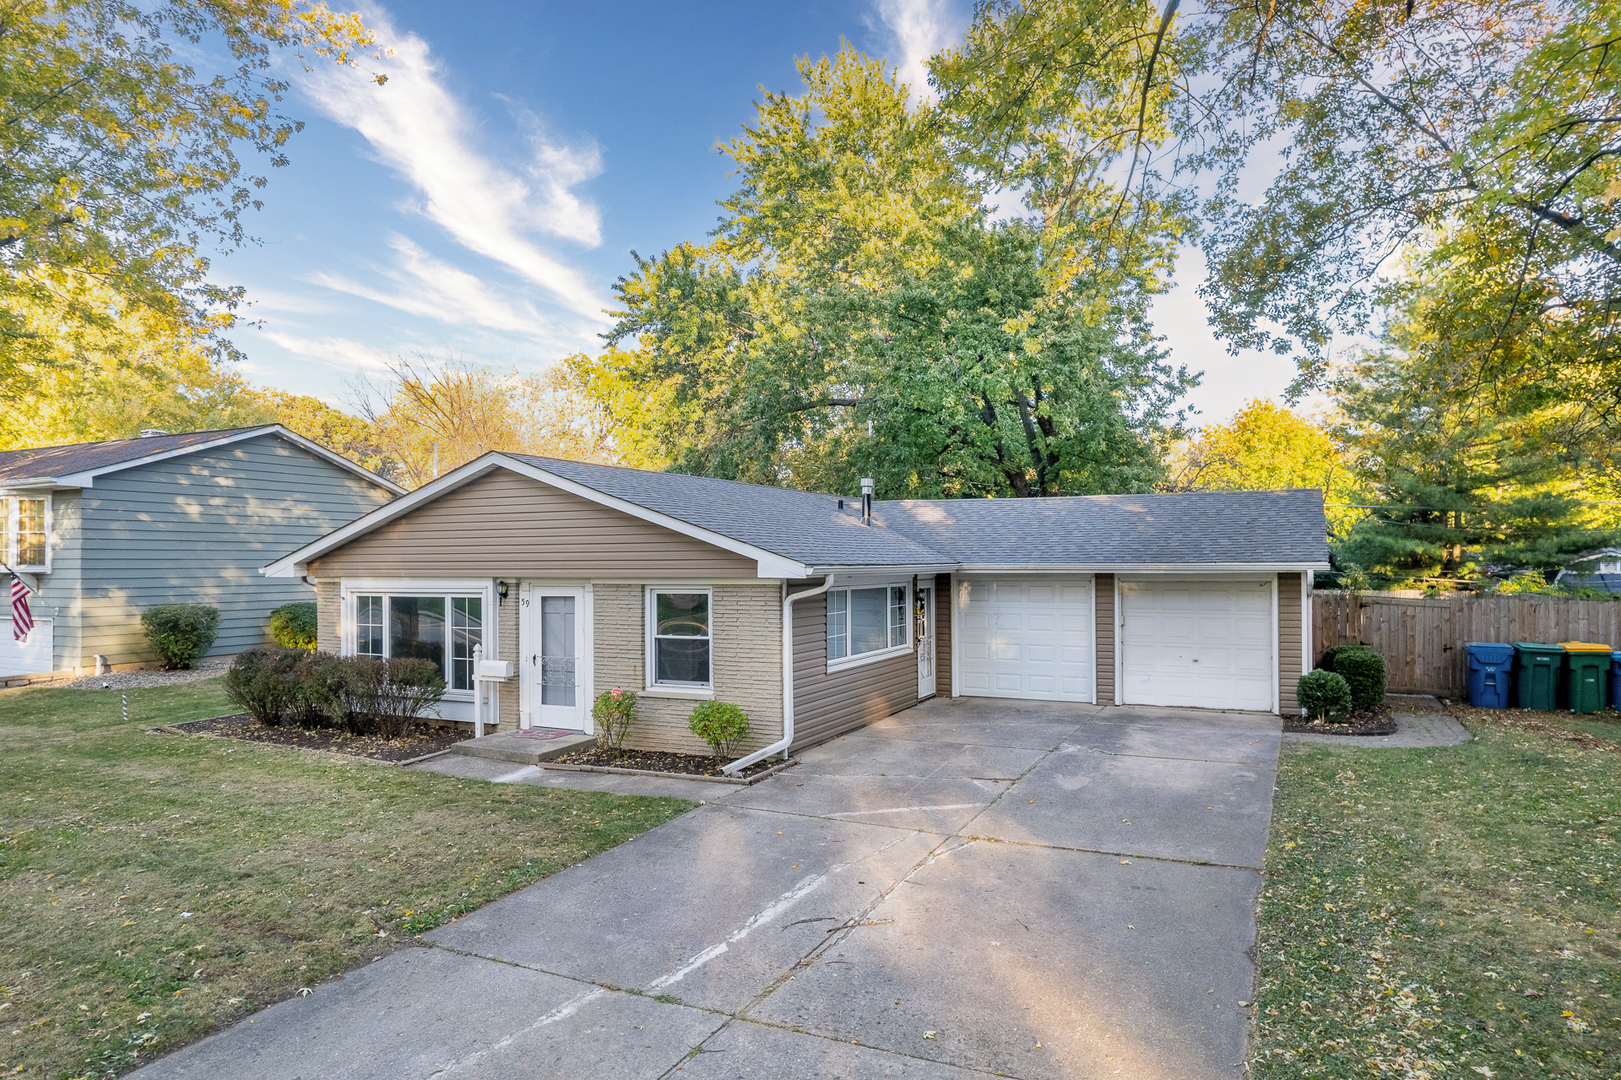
(781, 745)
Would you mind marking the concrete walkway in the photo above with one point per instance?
(1030, 890)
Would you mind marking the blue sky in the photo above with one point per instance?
(483, 201)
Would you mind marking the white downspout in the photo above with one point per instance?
(781, 745)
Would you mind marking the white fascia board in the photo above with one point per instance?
(290, 565)
(771, 565)
(1140, 568)
(87, 478)
(849, 573)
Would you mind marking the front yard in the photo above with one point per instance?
(1449, 912)
(154, 887)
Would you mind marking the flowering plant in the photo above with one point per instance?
(614, 712)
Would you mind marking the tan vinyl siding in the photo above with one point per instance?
(1289, 642)
(745, 658)
(827, 705)
(1103, 604)
(942, 635)
(506, 525)
(329, 616)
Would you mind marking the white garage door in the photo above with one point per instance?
(1025, 637)
(1204, 644)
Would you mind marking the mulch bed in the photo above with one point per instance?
(658, 761)
(1373, 722)
(422, 739)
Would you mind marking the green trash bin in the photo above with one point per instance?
(1587, 675)
(1536, 675)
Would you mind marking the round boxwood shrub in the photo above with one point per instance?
(1324, 695)
(720, 724)
(1364, 670)
(180, 633)
(292, 626)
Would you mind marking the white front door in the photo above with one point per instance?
(558, 659)
(923, 633)
(1024, 637)
(1205, 644)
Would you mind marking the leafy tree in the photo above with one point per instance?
(1471, 138)
(859, 312)
(1474, 480)
(334, 429)
(120, 159)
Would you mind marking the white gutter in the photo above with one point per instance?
(781, 745)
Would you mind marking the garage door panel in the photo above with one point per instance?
(1027, 638)
(1205, 644)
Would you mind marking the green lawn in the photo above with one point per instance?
(1446, 913)
(154, 887)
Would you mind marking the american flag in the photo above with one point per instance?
(22, 620)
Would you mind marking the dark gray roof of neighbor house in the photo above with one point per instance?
(1256, 527)
(805, 526)
(1119, 530)
(45, 462)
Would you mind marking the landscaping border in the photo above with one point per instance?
(175, 729)
(733, 780)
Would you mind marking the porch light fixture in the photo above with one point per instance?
(501, 588)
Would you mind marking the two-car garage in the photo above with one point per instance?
(1169, 640)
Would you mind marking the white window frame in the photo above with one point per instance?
(650, 626)
(13, 513)
(889, 652)
(449, 588)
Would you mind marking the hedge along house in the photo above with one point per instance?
(103, 531)
(810, 613)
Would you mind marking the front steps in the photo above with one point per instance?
(523, 749)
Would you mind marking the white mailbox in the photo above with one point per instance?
(493, 669)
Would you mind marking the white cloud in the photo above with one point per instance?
(435, 289)
(417, 127)
(919, 29)
(335, 352)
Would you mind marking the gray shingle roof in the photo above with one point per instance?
(801, 525)
(1120, 530)
(1255, 527)
(51, 461)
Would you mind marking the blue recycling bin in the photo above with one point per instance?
(1615, 679)
(1490, 666)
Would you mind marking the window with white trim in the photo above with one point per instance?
(442, 629)
(679, 640)
(865, 620)
(25, 522)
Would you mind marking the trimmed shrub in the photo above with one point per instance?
(180, 633)
(292, 626)
(1364, 670)
(264, 683)
(720, 724)
(343, 690)
(1324, 695)
(410, 687)
(614, 711)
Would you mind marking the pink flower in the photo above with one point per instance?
(618, 693)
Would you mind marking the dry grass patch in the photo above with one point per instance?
(153, 888)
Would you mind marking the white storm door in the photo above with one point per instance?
(558, 659)
(1197, 644)
(1025, 637)
(924, 634)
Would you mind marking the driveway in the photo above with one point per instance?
(1033, 890)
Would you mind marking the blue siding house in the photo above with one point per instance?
(105, 530)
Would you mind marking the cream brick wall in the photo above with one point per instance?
(746, 661)
(507, 633)
(328, 601)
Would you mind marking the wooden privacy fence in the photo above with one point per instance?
(1422, 638)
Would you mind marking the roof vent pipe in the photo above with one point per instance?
(152, 432)
(867, 486)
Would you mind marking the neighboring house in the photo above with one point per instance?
(106, 530)
(683, 589)
(1597, 569)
